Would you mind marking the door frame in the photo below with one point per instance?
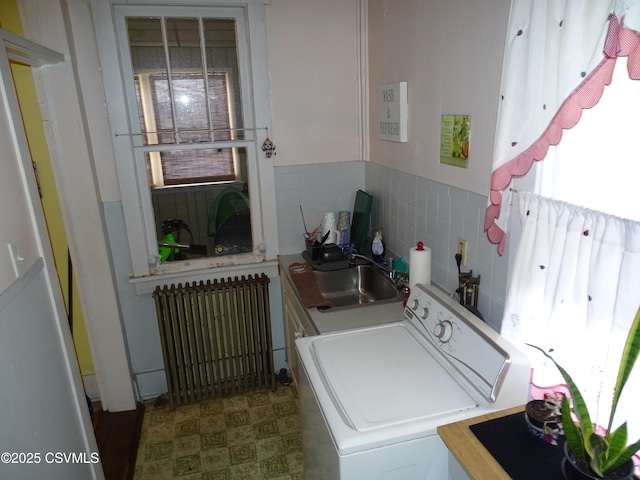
(68, 120)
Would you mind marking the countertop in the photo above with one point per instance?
(347, 318)
(474, 458)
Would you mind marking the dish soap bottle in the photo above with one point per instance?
(377, 246)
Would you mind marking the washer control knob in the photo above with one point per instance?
(415, 304)
(443, 330)
(425, 313)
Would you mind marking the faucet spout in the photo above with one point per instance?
(354, 256)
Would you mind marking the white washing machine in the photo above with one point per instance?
(371, 398)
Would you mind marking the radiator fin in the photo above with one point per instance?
(216, 338)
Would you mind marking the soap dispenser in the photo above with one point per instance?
(378, 246)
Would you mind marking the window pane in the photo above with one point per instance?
(219, 101)
(217, 215)
(176, 110)
(222, 55)
(158, 118)
(190, 109)
(187, 82)
(181, 167)
(147, 56)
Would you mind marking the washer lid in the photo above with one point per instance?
(384, 376)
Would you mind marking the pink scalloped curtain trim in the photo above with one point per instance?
(620, 42)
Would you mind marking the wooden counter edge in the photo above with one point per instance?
(474, 458)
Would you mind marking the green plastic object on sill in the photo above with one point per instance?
(165, 252)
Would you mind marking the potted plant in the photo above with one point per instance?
(594, 455)
(544, 417)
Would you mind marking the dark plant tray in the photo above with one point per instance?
(325, 266)
(520, 454)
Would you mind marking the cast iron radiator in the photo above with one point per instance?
(216, 338)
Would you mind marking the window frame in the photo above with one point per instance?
(136, 200)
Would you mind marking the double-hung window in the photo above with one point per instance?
(190, 130)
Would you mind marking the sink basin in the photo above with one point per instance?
(356, 286)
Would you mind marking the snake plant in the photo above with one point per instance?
(602, 454)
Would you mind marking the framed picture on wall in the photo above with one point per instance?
(455, 131)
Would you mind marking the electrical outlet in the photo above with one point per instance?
(462, 250)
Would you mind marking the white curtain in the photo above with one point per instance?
(559, 55)
(575, 290)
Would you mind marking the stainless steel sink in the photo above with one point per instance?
(356, 286)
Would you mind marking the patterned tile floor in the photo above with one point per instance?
(252, 436)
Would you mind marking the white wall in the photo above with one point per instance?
(319, 188)
(314, 80)
(412, 209)
(450, 53)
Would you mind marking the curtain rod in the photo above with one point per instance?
(180, 132)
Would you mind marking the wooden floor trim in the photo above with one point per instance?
(118, 437)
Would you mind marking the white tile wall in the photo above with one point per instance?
(413, 209)
(319, 188)
(410, 209)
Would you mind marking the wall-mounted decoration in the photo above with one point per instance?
(455, 131)
(268, 148)
(392, 112)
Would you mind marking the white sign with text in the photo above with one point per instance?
(392, 112)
